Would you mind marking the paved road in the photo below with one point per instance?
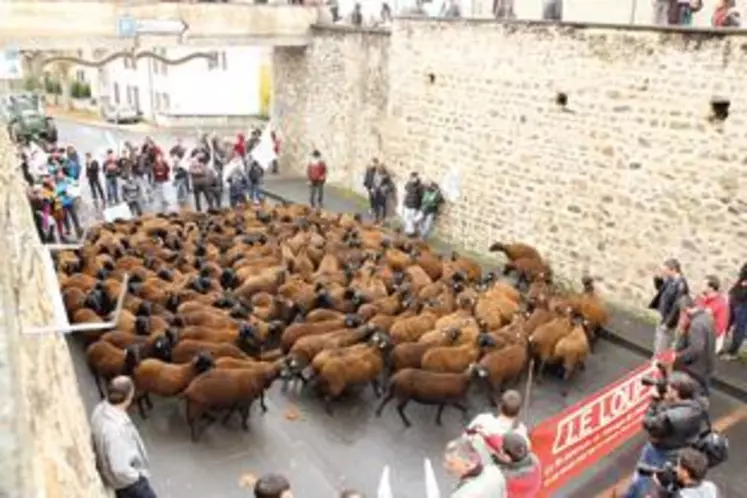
(322, 454)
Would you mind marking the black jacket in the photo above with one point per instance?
(413, 194)
(667, 300)
(92, 170)
(676, 425)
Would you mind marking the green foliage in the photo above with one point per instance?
(80, 90)
(52, 86)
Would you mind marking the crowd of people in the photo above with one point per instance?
(138, 176)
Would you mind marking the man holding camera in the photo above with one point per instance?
(687, 478)
(676, 419)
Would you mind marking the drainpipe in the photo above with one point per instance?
(151, 91)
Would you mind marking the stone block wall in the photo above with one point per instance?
(45, 442)
(332, 95)
(632, 171)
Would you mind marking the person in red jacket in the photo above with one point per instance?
(240, 146)
(714, 301)
(160, 178)
(316, 172)
(519, 466)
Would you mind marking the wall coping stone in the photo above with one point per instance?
(694, 31)
(344, 28)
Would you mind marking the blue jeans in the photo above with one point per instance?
(112, 190)
(182, 190)
(254, 192)
(642, 485)
(426, 225)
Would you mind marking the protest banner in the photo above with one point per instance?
(572, 441)
(118, 211)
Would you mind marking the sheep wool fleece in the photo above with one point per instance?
(120, 453)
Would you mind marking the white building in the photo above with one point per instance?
(235, 85)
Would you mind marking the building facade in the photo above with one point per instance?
(234, 84)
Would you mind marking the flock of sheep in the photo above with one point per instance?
(220, 305)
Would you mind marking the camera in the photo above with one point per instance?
(666, 477)
(659, 382)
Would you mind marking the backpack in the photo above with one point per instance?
(255, 172)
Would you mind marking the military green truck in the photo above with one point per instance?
(24, 117)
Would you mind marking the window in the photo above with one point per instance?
(166, 102)
(217, 60)
(116, 93)
(80, 76)
(158, 101)
(136, 98)
(213, 61)
(164, 67)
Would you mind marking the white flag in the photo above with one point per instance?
(385, 486)
(431, 485)
(233, 165)
(264, 152)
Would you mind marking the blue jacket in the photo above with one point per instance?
(73, 169)
(65, 199)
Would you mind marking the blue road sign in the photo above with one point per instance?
(127, 27)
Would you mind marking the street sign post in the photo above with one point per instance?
(129, 27)
(11, 66)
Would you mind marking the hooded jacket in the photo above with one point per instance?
(484, 482)
(523, 478)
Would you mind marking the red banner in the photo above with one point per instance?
(568, 443)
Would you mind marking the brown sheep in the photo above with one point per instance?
(529, 270)
(153, 376)
(410, 354)
(106, 361)
(503, 365)
(429, 262)
(544, 339)
(228, 362)
(572, 350)
(516, 251)
(450, 359)
(430, 388)
(226, 389)
(185, 350)
(410, 329)
(245, 336)
(205, 318)
(298, 330)
(340, 372)
(80, 281)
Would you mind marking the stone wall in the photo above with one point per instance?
(333, 96)
(631, 172)
(45, 444)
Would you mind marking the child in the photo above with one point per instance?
(132, 194)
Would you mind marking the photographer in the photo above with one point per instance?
(676, 419)
(687, 478)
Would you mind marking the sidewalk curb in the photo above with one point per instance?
(719, 383)
(99, 123)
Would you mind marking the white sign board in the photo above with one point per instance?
(11, 67)
(118, 211)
